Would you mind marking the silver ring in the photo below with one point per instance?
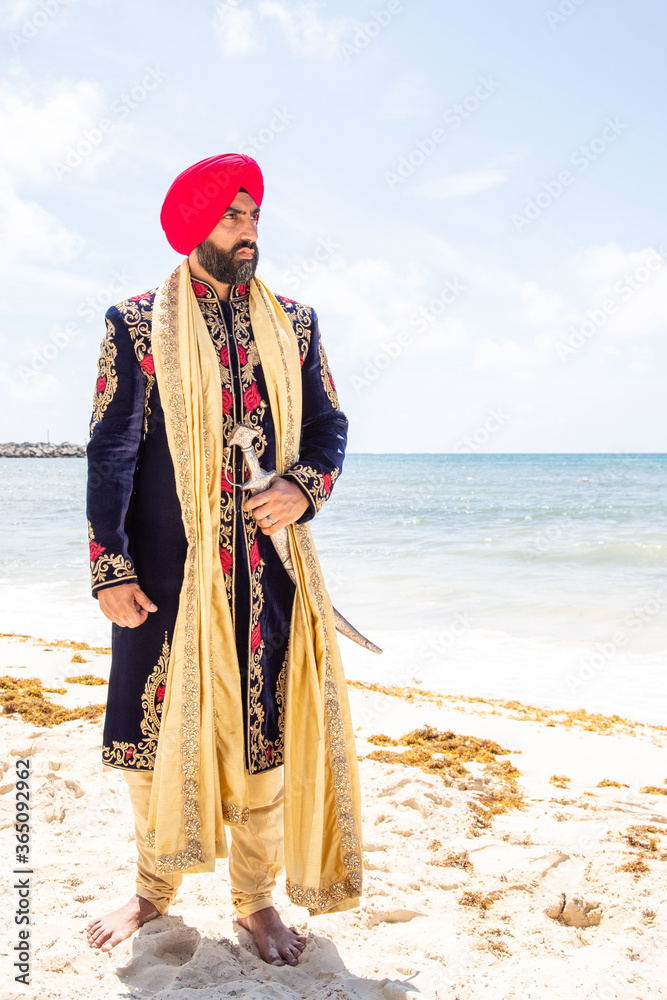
(269, 519)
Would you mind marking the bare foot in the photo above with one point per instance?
(108, 931)
(278, 944)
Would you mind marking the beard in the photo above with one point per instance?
(224, 266)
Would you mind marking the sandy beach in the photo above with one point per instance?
(466, 896)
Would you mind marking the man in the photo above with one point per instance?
(224, 672)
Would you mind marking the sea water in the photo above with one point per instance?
(536, 577)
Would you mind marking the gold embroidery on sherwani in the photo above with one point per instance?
(107, 379)
(141, 756)
(137, 314)
(237, 351)
(327, 380)
(108, 568)
(315, 482)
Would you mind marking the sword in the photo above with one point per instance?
(260, 481)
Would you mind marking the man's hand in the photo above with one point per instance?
(280, 505)
(125, 604)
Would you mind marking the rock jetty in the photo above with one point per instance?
(42, 449)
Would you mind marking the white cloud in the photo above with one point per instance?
(512, 357)
(301, 28)
(366, 300)
(540, 305)
(29, 232)
(610, 294)
(13, 12)
(41, 131)
(236, 29)
(633, 282)
(471, 181)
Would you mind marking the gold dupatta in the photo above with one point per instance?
(200, 781)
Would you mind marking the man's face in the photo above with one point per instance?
(230, 253)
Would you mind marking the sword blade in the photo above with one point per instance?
(261, 481)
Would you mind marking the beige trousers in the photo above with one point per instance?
(255, 855)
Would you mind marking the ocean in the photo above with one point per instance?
(536, 577)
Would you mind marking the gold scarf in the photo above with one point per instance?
(200, 780)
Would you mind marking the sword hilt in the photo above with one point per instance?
(259, 480)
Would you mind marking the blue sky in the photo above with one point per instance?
(470, 194)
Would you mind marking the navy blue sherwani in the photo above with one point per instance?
(134, 516)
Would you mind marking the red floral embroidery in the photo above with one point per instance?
(255, 638)
(96, 550)
(159, 694)
(255, 557)
(301, 360)
(101, 384)
(148, 364)
(251, 397)
(227, 400)
(326, 479)
(243, 357)
(139, 298)
(225, 484)
(241, 289)
(129, 753)
(199, 289)
(224, 355)
(268, 753)
(333, 384)
(225, 560)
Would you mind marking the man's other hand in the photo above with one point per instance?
(125, 604)
(280, 505)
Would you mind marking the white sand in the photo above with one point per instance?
(411, 937)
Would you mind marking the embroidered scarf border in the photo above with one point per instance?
(322, 806)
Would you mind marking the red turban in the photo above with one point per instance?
(199, 197)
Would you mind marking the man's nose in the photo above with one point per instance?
(249, 230)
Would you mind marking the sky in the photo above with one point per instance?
(469, 193)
